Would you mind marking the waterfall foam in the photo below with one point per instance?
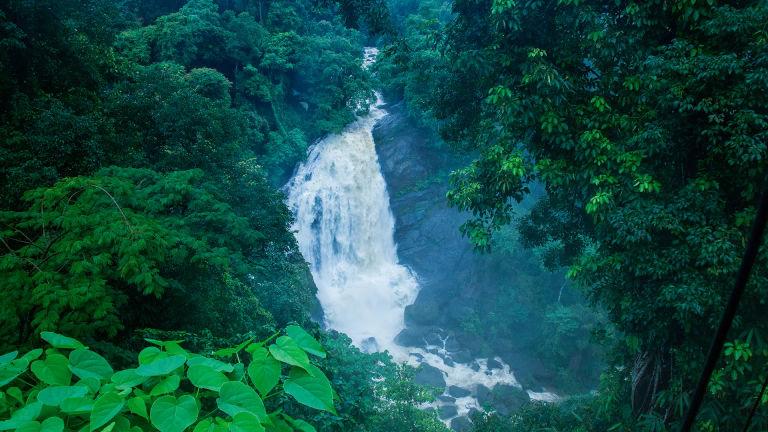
(345, 230)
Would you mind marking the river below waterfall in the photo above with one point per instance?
(345, 229)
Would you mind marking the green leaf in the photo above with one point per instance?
(150, 354)
(299, 424)
(264, 371)
(30, 426)
(106, 407)
(7, 358)
(311, 390)
(236, 397)
(305, 340)
(88, 364)
(54, 395)
(137, 406)
(9, 372)
(226, 352)
(161, 366)
(211, 363)
(52, 424)
(27, 413)
(169, 414)
(167, 385)
(205, 377)
(62, 342)
(54, 370)
(245, 422)
(128, 378)
(287, 351)
(32, 355)
(79, 405)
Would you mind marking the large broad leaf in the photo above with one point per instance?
(137, 406)
(167, 385)
(54, 370)
(106, 407)
(287, 351)
(128, 378)
(169, 414)
(8, 357)
(311, 390)
(29, 413)
(52, 424)
(236, 397)
(226, 352)
(208, 426)
(211, 363)
(298, 424)
(55, 395)
(9, 371)
(202, 376)
(305, 340)
(245, 422)
(88, 364)
(264, 371)
(62, 342)
(30, 426)
(161, 366)
(150, 354)
(80, 405)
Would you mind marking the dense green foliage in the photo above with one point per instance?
(131, 248)
(212, 99)
(69, 387)
(646, 122)
(141, 146)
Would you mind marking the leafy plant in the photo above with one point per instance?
(69, 387)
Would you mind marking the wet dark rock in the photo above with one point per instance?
(494, 364)
(505, 399)
(473, 413)
(429, 376)
(462, 356)
(461, 424)
(526, 379)
(483, 395)
(447, 411)
(475, 366)
(448, 362)
(412, 336)
(446, 398)
(458, 392)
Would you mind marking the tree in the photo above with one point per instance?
(131, 248)
(637, 117)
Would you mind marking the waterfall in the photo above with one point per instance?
(344, 227)
(345, 230)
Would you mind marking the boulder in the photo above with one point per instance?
(483, 395)
(507, 399)
(462, 356)
(446, 398)
(458, 392)
(461, 424)
(430, 376)
(494, 364)
(447, 411)
(412, 336)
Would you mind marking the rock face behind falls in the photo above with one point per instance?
(455, 281)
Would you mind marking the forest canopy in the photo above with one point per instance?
(143, 145)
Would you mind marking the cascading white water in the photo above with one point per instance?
(345, 230)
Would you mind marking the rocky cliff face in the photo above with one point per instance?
(455, 281)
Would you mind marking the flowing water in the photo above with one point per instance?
(345, 230)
